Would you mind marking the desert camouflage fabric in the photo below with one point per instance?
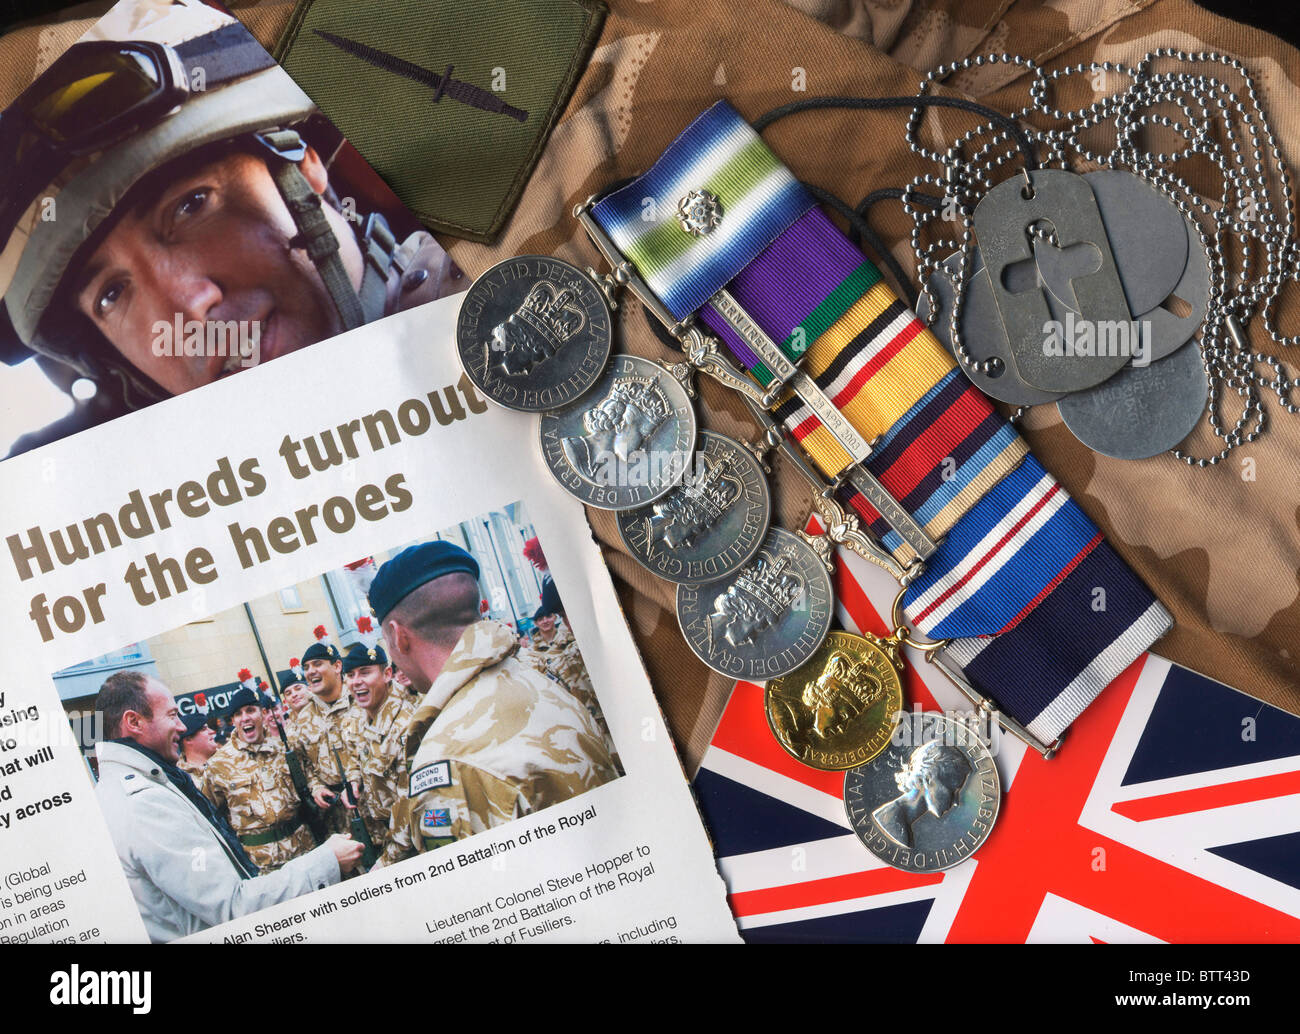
(562, 660)
(493, 740)
(193, 770)
(295, 726)
(1221, 551)
(250, 782)
(318, 727)
(380, 747)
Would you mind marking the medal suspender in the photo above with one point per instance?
(1035, 613)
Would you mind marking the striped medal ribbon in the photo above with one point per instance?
(1036, 612)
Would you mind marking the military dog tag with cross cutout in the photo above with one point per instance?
(1003, 226)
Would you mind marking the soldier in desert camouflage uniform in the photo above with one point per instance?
(492, 739)
(198, 744)
(554, 652)
(377, 724)
(319, 727)
(296, 697)
(248, 779)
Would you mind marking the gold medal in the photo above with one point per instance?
(839, 709)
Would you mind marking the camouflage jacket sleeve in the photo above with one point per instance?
(216, 778)
(350, 756)
(306, 741)
(535, 659)
(206, 787)
(450, 801)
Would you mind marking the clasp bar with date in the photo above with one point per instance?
(703, 353)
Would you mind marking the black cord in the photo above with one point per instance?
(910, 294)
(924, 101)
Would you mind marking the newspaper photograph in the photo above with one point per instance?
(179, 211)
(343, 673)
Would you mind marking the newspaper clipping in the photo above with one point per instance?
(322, 653)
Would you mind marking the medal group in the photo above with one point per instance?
(754, 600)
(1102, 292)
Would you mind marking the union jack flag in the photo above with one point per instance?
(1171, 813)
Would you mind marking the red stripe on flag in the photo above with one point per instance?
(1043, 806)
(990, 554)
(831, 888)
(1184, 802)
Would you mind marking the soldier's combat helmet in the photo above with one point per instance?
(151, 82)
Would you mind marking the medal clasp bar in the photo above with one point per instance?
(701, 350)
(787, 374)
(988, 707)
(842, 527)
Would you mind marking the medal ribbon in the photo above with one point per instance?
(1015, 581)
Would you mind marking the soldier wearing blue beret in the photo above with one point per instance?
(360, 655)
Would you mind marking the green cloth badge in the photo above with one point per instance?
(451, 101)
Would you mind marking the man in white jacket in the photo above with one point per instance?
(184, 864)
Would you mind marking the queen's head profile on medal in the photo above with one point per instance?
(760, 596)
(839, 694)
(617, 428)
(681, 517)
(548, 317)
(930, 780)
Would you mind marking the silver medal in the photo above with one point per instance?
(533, 333)
(929, 799)
(711, 524)
(765, 620)
(1142, 410)
(627, 442)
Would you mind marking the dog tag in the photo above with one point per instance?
(1165, 328)
(981, 333)
(1142, 410)
(1147, 236)
(1050, 361)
